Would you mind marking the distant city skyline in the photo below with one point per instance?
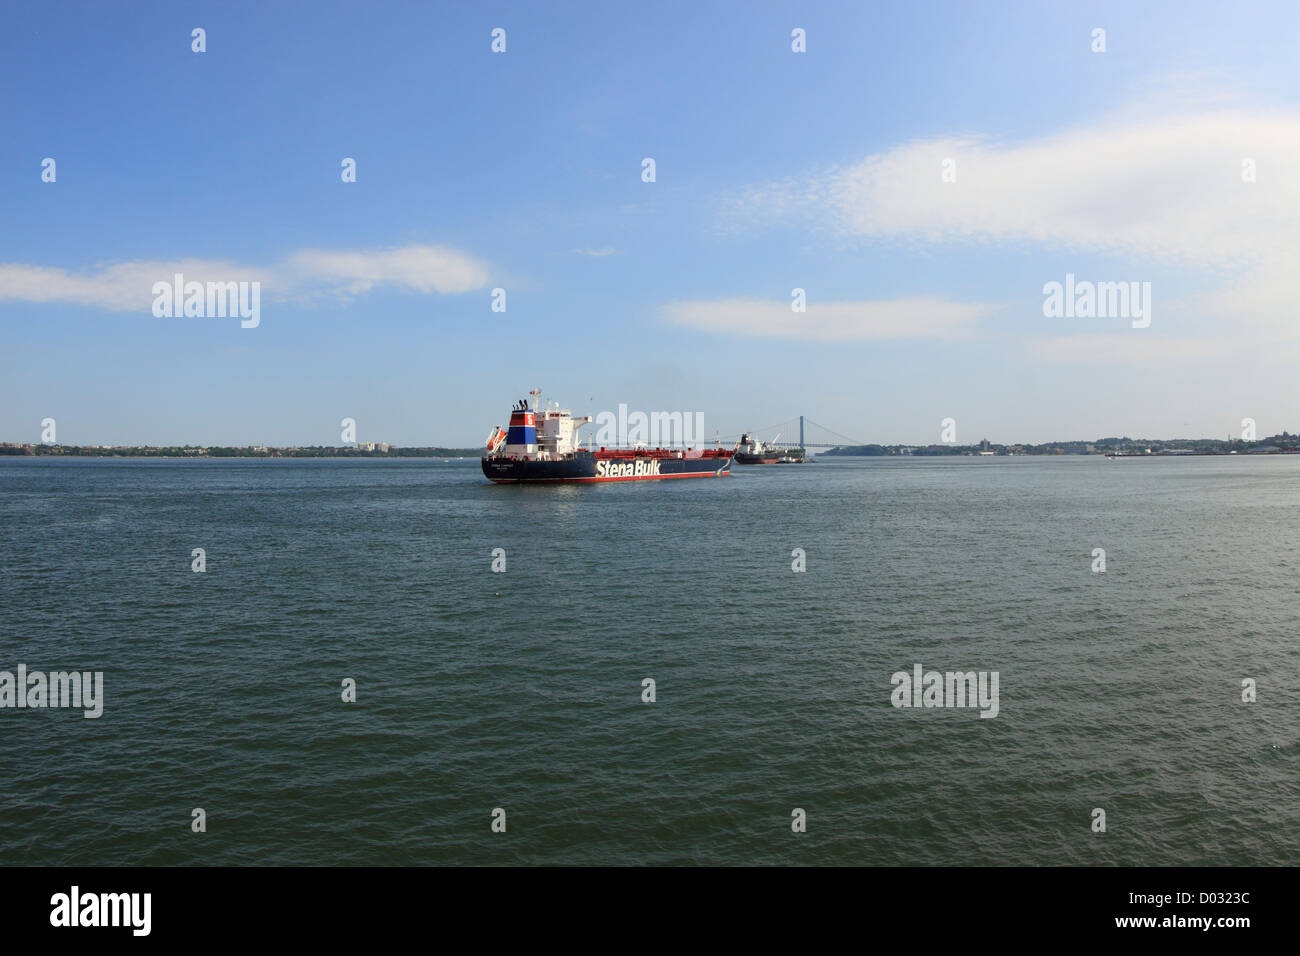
(917, 179)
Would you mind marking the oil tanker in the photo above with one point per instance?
(541, 445)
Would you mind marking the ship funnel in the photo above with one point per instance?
(523, 428)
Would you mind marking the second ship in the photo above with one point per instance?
(751, 451)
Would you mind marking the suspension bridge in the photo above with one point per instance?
(780, 428)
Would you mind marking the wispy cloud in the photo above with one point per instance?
(918, 318)
(1211, 191)
(126, 286)
(422, 269)
(595, 253)
(1167, 188)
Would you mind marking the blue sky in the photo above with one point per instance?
(522, 170)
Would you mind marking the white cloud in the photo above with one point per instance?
(121, 287)
(1155, 188)
(127, 286)
(1167, 188)
(422, 269)
(919, 318)
(595, 253)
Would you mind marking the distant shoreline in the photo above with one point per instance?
(142, 457)
(1283, 444)
(224, 452)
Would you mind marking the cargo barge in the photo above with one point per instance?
(751, 451)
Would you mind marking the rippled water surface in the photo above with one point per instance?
(523, 690)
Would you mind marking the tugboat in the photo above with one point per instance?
(751, 451)
(541, 446)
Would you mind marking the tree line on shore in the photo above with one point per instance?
(1283, 443)
(222, 451)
